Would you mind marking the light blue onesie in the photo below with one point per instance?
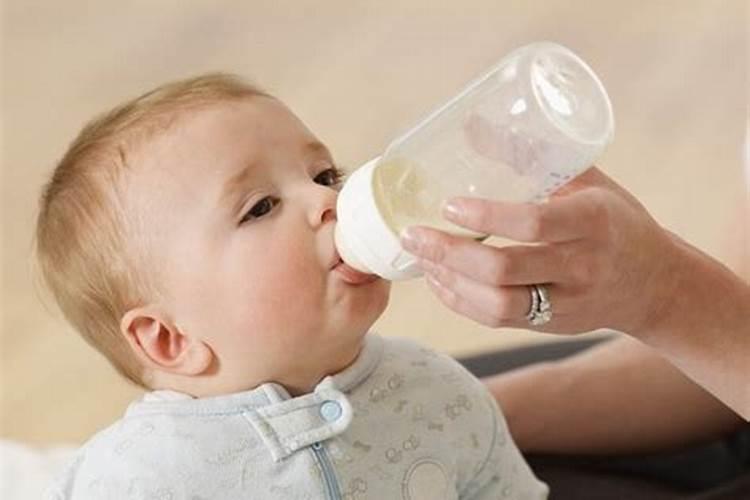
(402, 422)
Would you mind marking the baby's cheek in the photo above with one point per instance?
(290, 287)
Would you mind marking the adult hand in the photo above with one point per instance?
(603, 259)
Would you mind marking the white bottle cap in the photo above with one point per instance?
(363, 238)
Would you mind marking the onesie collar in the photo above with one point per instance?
(285, 423)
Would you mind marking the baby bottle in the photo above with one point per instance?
(529, 125)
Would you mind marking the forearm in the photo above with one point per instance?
(703, 326)
(619, 397)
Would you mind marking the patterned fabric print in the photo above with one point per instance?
(425, 428)
(166, 458)
(401, 423)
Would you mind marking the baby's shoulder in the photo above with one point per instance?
(422, 375)
(425, 365)
(140, 455)
(97, 464)
(420, 402)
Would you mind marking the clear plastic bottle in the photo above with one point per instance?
(533, 122)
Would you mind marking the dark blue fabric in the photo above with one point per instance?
(716, 470)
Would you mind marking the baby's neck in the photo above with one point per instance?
(306, 385)
(299, 380)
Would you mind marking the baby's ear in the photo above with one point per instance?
(160, 345)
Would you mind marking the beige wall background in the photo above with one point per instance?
(358, 73)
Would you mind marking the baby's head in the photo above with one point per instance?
(188, 235)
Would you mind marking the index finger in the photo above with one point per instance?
(561, 219)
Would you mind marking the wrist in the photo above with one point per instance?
(671, 287)
(701, 325)
(694, 293)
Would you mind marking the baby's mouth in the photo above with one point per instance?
(351, 275)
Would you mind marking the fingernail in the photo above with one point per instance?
(452, 211)
(410, 241)
(432, 279)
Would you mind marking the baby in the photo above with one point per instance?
(188, 235)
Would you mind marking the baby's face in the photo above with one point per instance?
(238, 203)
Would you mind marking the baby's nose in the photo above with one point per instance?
(328, 215)
(324, 209)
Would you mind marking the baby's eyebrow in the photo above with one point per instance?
(233, 185)
(237, 181)
(317, 147)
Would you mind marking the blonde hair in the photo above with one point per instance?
(82, 234)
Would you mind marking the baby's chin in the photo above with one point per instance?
(358, 324)
(362, 314)
(353, 332)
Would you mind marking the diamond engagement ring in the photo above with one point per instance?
(540, 311)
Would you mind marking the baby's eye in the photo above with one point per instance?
(330, 177)
(260, 209)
